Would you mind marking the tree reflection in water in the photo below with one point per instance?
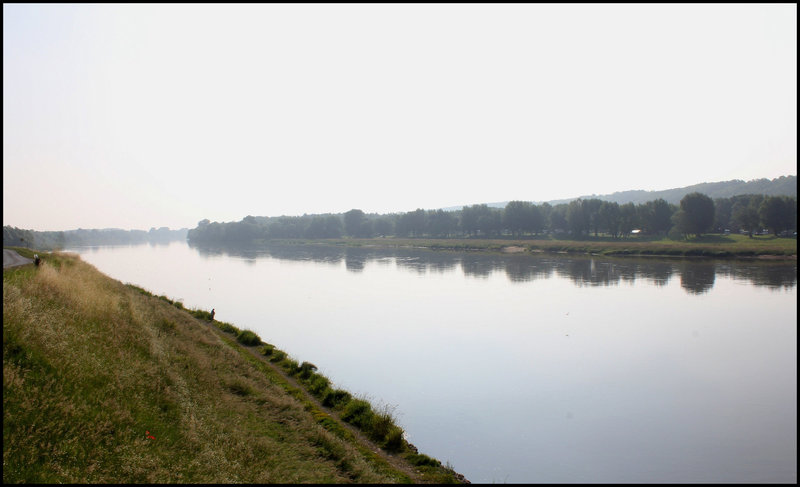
(696, 276)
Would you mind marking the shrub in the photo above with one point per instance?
(318, 385)
(381, 425)
(394, 439)
(306, 369)
(335, 398)
(227, 327)
(420, 459)
(359, 413)
(277, 356)
(140, 290)
(249, 338)
(290, 366)
(200, 314)
(267, 349)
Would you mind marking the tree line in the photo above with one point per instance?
(18, 237)
(695, 215)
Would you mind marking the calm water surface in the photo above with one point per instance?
(520, 368)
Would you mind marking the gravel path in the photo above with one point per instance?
(11, 259)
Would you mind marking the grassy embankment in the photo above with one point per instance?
(104, 382)
(713, 246)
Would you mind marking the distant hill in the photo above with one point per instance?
(784, 185)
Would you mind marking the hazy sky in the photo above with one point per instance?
(139, 116)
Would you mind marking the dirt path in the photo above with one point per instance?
(394, 460)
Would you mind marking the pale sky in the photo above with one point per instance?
(138, 116)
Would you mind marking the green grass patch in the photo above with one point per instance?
(248, 337)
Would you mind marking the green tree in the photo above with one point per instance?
(656, 216)
(479, 218)
(723, 208)
(697, 214)
(629, 218)
(412, 223)
(441, 223)
(518, 216)
(490, 221)
(557, 218)
(355, 222)
(744, 212)
(610, 217)
(384, 226)
(591, 209)
(537, 219)
(777, 213)
(577, 218)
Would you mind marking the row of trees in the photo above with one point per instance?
(696, 214)
(18, 237)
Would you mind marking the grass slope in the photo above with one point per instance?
(104, 383)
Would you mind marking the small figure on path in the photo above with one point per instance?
(212, 314)
(36, 260)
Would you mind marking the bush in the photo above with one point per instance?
(394, 439)
(420, 459)
(227, 327)
(335, 398)
(318, 385)
(267, 349)
(306, 369)
(359, 413)
(277, 356)
(249, 338)
(381, 425)
(291, 366)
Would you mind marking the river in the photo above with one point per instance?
(519, 368)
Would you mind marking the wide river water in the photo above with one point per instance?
(519, 368)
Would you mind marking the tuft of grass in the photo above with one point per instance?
(240, 388)
(335, 398)
(422, 460)
(359, 413)
(306, 369)
(248, 337)
(227, 328)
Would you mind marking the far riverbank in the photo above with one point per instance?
(709, 246)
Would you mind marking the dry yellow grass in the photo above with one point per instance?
(103, 384)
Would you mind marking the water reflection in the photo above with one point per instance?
(696, 276)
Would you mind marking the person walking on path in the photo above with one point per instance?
(212, 314)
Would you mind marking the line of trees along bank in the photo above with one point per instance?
(696, 214)
(18, 237)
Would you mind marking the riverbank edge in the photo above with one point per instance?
(326, 404)
(658, 249)
(294, 379)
